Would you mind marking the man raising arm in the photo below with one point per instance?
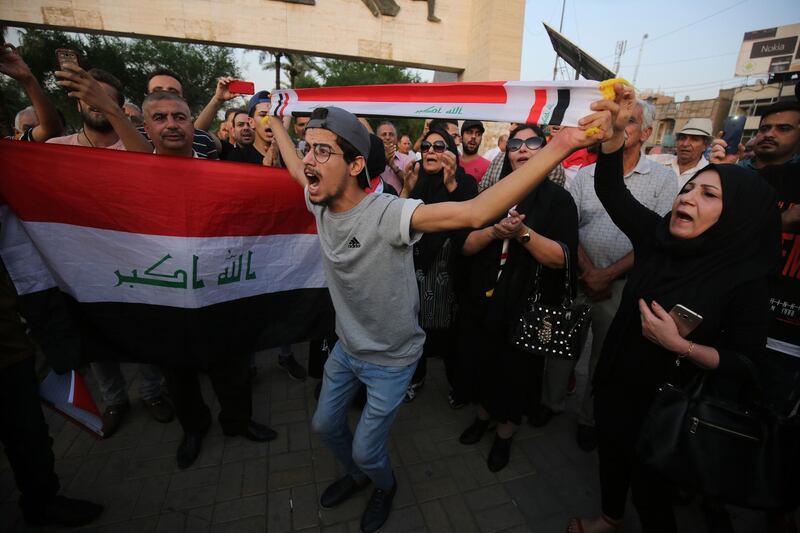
(11, 64)
(365, 239)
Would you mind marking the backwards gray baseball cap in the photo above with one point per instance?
(342, 123)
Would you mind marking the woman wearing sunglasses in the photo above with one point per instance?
(506, 382)
(437, 177)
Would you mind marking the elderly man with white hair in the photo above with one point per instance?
(692, 141)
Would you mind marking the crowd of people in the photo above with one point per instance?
(447, 246)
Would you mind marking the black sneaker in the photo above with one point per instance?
(340, 490)
(474, 432)
(112, 418)
(411, 391)
(454, 402)
(292, 367)
(499, 454)
(378, 508)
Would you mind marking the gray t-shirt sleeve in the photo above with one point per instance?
(307, 196)
(395, 222)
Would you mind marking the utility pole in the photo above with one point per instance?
(638, 60)
(560, 25)
(621, 47)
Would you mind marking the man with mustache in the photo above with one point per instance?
(169, 125)
(471, 137)
(777, 141)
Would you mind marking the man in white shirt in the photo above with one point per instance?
(497, 150)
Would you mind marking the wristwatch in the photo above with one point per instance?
(525, 237)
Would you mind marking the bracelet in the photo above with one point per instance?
(688, 352)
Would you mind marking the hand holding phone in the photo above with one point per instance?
(242, 87)
(66, 55)
(732, 130)
(685, 319)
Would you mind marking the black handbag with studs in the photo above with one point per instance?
(555, 331)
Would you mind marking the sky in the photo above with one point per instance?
(691, 49)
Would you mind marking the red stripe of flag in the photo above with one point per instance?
(149, 194)
(446, 93)
(538, 105)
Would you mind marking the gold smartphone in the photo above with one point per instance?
(686, 319)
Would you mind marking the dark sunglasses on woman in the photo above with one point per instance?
(533, 143)
(438, 146)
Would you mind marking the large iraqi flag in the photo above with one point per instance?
(163, 259)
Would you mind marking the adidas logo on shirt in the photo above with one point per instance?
(354, 243)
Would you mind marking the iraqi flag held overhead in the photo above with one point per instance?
(164, 259)
(558, 102)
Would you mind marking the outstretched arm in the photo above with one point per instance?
(497, 200)
(13, 65)
(290, 158)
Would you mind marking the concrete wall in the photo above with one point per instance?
(478, 39)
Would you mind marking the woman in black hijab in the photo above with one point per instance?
(506, 382)
(711, 254)
(437, 177)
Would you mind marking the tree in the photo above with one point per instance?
(299, 68)
(130, 60)
(339, 72)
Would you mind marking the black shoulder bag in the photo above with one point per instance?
(738, 452)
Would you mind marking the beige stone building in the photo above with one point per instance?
(671, 116)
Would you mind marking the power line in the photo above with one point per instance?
(683, 60)
(698, 21)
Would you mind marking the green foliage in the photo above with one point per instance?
(130, 60)
(337, 72)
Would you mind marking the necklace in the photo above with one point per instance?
(87, 138)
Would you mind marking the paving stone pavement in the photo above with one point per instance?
(240, 486)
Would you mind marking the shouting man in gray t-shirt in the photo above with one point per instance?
(367, 239)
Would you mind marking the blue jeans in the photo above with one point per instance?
(365, 453)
